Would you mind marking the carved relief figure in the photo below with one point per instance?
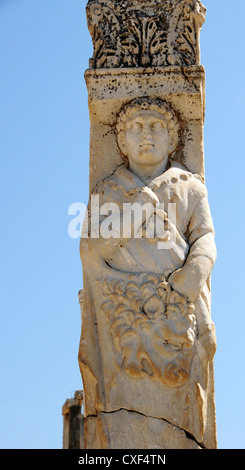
(150, 304)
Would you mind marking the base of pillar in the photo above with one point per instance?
(130, 430)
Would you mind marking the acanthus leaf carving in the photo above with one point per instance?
(184, 31)
(160, 34)
(104, 28)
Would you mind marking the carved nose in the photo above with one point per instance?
(147, 135)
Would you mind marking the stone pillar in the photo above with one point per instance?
(147, 340)
(73, 422)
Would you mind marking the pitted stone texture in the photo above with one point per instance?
(148, 340)
(110, 89)
(145, 33)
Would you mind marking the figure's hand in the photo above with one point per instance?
(145, 195)
(176, 281)
(183, 281)
(190, 279)
(161, 223)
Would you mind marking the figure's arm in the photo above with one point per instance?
(109, 226)
(190, 279)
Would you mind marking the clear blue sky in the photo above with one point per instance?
(44, 146)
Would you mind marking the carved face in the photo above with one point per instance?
(146, 138)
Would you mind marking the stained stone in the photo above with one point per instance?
(127, 430)
(147, 246)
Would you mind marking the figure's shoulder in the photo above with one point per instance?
(107, 183)
(121, 180)
(178, 175)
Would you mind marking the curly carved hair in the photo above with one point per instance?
(152, 104)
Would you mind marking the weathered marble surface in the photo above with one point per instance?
(111, 89)
(127, 430)
(148, 340)
(145, 33)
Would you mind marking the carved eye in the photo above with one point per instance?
(136, 126)
(156, 125)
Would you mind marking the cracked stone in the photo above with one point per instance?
(125, 429)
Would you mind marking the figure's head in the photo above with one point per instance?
(147, 131)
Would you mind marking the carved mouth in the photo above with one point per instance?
(146, 147)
